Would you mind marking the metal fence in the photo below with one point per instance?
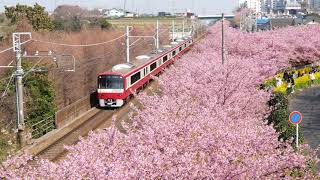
(42, 127)
(74, 110)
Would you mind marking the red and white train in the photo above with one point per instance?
(115, 87)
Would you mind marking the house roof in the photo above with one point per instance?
(119, 10)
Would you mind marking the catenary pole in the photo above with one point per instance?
(173, 30)
(157, 46)
(182, 28)
(222, 38)
(124, 8)
(127, 45)
(16, 39)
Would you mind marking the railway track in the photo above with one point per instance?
(56, 151)
(102, 118)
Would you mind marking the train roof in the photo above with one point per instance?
(124, 69)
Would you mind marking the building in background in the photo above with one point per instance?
(314, 5)
(255, 5)
(280, 7)
(162, 14)
(116, 13)
(293, 6)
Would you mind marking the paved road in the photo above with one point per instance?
(308, 103)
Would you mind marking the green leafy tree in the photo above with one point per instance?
(37, 16)
(76, 23)
(40, 106)
(104, 24)
(58, 25)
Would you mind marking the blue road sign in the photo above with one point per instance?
(295, 117)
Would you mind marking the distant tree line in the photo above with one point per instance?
(64, 18)
(37, 16)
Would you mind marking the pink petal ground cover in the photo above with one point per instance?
(208, 121)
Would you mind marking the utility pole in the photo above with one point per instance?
(16, 39)
(173, 30)
(124, 7)
(192, 27)
(182, 28)
(127, 44)
(222, 38)
(157, 40)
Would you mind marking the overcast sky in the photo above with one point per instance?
(141, 6)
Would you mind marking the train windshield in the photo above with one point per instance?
(110, 82)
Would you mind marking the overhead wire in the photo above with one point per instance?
(10, 63)
(5, 50)
(32, 68)
(54, 43)
(64, 44)
(3, 79)
(7, 87)
(80, 45)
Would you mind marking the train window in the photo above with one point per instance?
(173, 53)
(165, 58)
(185, 45)
(110, 82)
(135, 77)
(180, 49)
(153, 66)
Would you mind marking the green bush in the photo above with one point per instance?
(75, 24)
(58, 25)
(279, 117)
(41, 105)
(1, 18)
(37, 16)
(104, 24)
(270, 83)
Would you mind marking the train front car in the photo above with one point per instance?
(110, 90)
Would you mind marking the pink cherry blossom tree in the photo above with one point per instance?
(207, 121)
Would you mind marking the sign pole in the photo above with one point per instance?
(295, 118)
(297, 135)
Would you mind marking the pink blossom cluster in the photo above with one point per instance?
(206, 122)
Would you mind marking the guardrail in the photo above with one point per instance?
(75, 110)
(42, 127)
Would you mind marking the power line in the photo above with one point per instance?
(12, 47)
(63, 44)
(79, 45)
(5, 78)
(6, 50)
(32, 68)
(6, 89)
